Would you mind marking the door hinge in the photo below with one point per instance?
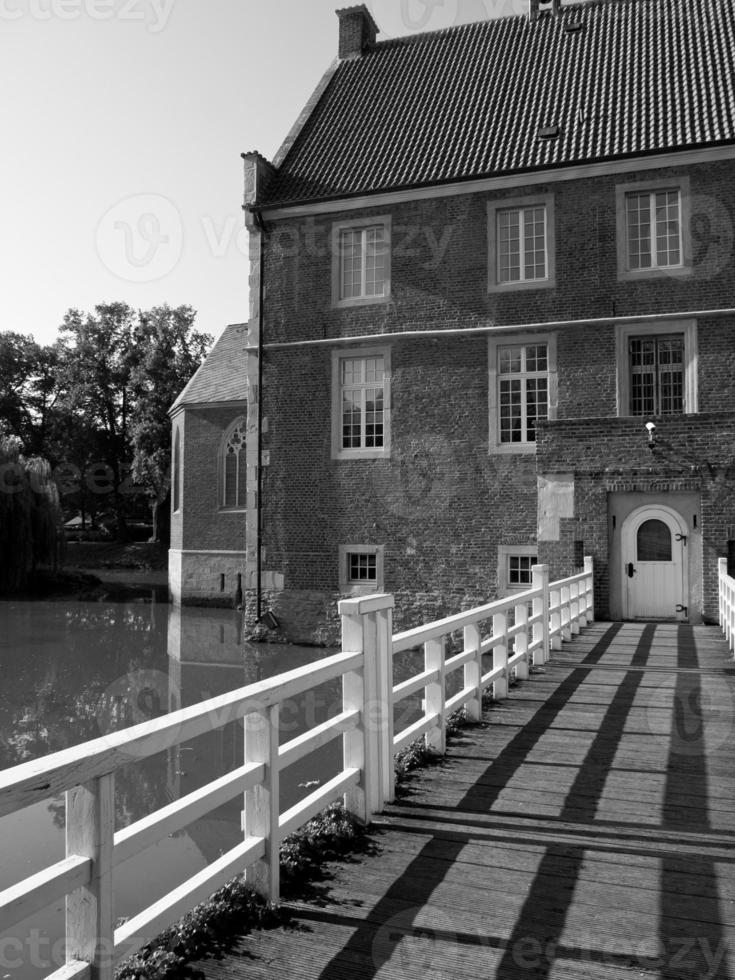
(683, 609)
(681, 537)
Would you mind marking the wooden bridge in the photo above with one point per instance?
(584, 830)
(583, 827)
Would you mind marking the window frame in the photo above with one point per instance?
(373, 452)
(516, 340)
(624, 332)
(510, 204)
(505, 553)
(222, 506)
(680, 184)
(176, 496)
(349, 587)
(338, 301)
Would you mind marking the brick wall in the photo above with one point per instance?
(441, 505)
(207, 542)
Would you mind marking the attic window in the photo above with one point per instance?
(548, 132)
(572, 26)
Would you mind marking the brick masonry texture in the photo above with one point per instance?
(441, 505)
(200, 525)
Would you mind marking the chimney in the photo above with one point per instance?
(357, 31)
(535, 5)
(259, 173)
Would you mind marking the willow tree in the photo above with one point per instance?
(30, 515)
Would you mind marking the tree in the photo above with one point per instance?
(30, 516)
(168, 352)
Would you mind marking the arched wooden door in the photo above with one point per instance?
(655, 585)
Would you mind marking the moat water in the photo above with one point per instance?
(72, 671)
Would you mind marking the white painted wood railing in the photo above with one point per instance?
(365, 723)
(727, 603)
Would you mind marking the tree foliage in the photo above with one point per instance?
(86, 418)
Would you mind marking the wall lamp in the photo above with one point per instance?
(651, 427)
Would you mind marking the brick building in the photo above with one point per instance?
(206, 561)
(492, 317)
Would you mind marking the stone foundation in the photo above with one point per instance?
(205, 577)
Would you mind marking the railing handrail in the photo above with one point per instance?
(47, 776)
(441, 627)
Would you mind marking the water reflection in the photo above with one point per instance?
(74, 671)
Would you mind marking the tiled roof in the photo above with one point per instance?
(222, 377)
(638, 77)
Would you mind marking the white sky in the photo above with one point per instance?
(122, 126)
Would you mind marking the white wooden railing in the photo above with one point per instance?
(727, 603)
(86, 773)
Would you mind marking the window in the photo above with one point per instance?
(515, 564)
(176, 494)
(657, 368)
(360, 568)
(233, 467)
(360, 424)
(519, 569)
(656, 375)
(521, 243)
(654, 541)
(522, 390)
(361, 262)
(652, 221)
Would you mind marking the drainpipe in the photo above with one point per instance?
(258, 215)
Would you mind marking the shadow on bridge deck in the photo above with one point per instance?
(585, 829)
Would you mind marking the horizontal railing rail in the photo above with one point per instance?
(513, 633)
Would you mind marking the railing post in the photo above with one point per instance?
(574, 608)
(722, 593)
(500, 655)
(436, 738)
(367, 625)
(540, 580)
(520, 641)
(473, 671)
(384, 703)
(90, 915)
(555, 618)
(566, 613)
(589, 567)
(262, 806)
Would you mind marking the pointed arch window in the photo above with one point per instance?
(233, 467)
(177, 471)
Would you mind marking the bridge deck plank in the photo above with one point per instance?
(585, 829)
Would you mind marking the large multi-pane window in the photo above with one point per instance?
(362, 381)
(653, 226)
(521, 244)
(523, 391)
(656, 365)
(234, 467)
(362, 262)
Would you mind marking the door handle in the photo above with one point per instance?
(630, 571)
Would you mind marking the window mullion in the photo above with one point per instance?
(522, 243)
(363, 263)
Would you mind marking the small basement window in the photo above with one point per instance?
(360, 568)
(515, 564)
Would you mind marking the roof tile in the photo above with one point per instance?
(640, 76)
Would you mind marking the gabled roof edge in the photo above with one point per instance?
(305, 114)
